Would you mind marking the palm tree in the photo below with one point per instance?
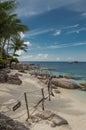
(18, 44)
(15, 28)
(10, 25)
(10, 29)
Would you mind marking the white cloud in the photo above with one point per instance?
(79, 6)
(67, 29)
(83, 14)
(66, 45)
(34, 7)
(70, 59)
(38, 32)
(26, 57)
(22, 35)
(34, 57)
(41, 56)
(71, 26)
(58, 59)
(20, 52)
(77, 30)
(57, 33)
(28, 43)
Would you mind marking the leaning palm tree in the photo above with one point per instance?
(15, 28)
(17, 45)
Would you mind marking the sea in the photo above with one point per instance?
(78, 70)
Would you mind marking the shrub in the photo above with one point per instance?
(14, 60)
(2, 62)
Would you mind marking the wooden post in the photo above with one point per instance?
(49, 95)
(49, 85)
(43, 99)
(25, 96)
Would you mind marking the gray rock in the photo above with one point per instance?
(58, 121)
(69, 77)
(44, 115)
(55, 119)
(83, 84)
(53, 86)
(83, 89)
(3, 77)
(14, 79)
(6, 123)
(57, 91)
(65, 83)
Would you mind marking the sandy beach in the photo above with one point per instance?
(65, 104)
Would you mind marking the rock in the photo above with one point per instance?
(57, 91)
(83, 89)
(44, 115)
(14, 79)
(35, 119)
(5, 70)
(60, 76)
(69, 77)
(53, 125)
(53, 86)
(55, 119)
(58, 121)
(83, 84)
(22, 71)
(65, 83)
(3, 77)
(6, 123)
(54, 76)
(18, 74)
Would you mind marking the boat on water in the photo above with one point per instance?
(75, 62)
(71, 62)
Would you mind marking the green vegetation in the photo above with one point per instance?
(14, 60)
(11, 28)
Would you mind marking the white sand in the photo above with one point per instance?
(64, 104)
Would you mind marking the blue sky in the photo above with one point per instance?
(57, 29)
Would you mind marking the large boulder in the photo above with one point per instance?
(44, 115)
(14, 79)
(83, 84)
(58, 121)
(55, 119)
(3, 76)
(6, 123)
(65, 83)
(69, 77)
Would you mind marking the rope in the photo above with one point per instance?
(33, 91)
(18, 99)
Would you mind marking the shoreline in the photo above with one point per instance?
(65, 104)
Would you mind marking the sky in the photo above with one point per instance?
(57, 29)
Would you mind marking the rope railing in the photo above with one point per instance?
(24, 99)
